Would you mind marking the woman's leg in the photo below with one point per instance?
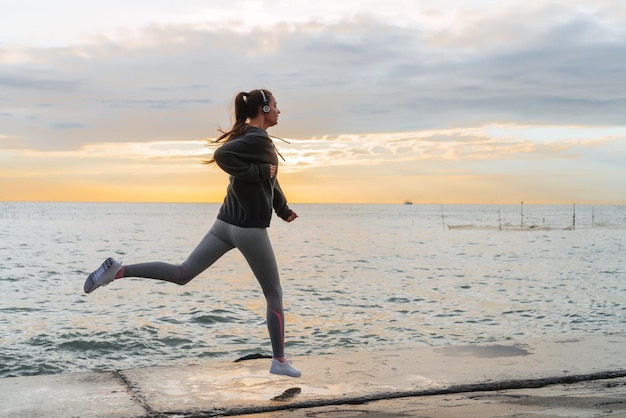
(208, 251)
(255, 245)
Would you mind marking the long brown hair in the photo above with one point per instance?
(247, 106)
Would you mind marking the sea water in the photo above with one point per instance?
(355, 277)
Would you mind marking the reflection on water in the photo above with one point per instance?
(355, 277)
(484, 351)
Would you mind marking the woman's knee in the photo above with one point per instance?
(273, 295)
(182, 275)
(182, 281)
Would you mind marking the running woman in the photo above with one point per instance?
(247, 154)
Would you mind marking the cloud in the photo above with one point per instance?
(548, 64)
(191, 151)
(36, 82)
(154, 103)
(68, 125)
(421, 87)
(457, 146)
(509, 161)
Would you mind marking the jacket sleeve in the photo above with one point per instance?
(230, 157)
(280, 202)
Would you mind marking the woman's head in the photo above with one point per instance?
(254, 108)
(249, 105)
(258, 107)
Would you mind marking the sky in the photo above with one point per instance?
(442, 101)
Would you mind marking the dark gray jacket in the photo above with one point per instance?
(251, 194)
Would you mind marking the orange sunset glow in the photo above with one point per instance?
(433, 102)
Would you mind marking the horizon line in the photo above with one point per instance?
(401, 203)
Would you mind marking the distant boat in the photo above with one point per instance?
(408, 202)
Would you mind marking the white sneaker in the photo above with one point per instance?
(103, 276)
(284, 369)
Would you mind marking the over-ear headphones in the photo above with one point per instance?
(266, 103)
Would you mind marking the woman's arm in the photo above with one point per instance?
(234, 158)
(280, 204)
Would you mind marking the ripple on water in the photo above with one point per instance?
(374, 277)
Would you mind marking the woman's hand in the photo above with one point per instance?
(272, 171)
(292, 216)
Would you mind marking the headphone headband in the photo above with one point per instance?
(266, 103)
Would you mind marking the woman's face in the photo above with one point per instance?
(271, 118)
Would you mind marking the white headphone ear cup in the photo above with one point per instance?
(266, 109)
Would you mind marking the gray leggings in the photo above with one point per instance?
(254, 244)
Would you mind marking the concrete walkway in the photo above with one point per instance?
(565, 377)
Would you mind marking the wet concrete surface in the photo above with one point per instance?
(571, 376)
(599, 398)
